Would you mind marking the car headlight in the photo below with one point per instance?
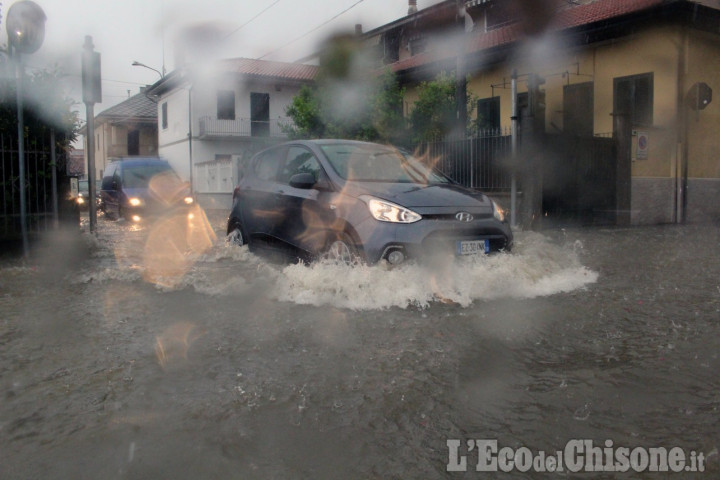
(80, 200)
(389, 212)
(188, 200)
(498, 212)
(135, 202)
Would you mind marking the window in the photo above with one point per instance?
(390, 42)
(299, 160)
(377, 163)
(417, 44)
(139, 176)
(226, 105)
(107, 179)
(133, 142)
(488, 113)
(267, 163)
(164, 116)
(634, 95)
(259, 114)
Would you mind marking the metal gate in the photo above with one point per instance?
(475, 162)
(38, 185)
(579, 179)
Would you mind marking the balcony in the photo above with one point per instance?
(211, 127)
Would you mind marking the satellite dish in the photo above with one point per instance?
(26, 26)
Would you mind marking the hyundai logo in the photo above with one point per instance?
(464, 217)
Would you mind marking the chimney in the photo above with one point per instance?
(412, 7)
(358, 29)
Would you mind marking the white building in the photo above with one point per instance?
(211, 117)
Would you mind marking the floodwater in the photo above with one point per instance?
(158, 351)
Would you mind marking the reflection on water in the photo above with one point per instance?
(241, 368)
(172, 345)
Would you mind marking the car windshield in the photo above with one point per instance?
(138, 176)
(369, 163)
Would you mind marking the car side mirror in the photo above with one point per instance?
(304, 181)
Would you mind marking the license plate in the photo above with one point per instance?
(470, 247)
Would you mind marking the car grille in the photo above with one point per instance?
(451, 216)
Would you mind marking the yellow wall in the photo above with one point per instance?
(654, 49)
(704, 126)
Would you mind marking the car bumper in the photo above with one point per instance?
(428, 237)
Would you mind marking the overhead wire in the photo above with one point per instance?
(313, 30)
(251, 20)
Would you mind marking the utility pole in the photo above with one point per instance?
(533, 131)
(26, 32)
(513, 150)
(92, 93)
(460, 72)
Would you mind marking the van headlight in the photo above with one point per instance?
(135, 202)
(390, 212)
(498, 212)
(188, 200)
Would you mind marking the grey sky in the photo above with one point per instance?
(145, 30)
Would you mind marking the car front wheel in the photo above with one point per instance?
(341, 249)
(235, 235)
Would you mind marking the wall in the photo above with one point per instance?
(703, 193)
(654, 49)
(174, 140)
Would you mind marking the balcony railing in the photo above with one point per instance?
(211, 127)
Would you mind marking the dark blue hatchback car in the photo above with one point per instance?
(347, 199)
(136, 188)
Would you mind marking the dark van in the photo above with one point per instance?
(137, 187)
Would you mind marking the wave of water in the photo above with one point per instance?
(536, 267)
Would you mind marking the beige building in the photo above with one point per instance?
(126, 129)
(655, 60)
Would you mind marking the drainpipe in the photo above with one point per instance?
(681, 183)
(53, 161)
(513, 150)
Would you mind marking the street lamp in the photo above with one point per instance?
(26, 32)
(138, 64)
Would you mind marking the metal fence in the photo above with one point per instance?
(479, 161)
(38, 185)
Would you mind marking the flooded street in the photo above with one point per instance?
(165, 353)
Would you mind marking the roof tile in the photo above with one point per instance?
(264, 68)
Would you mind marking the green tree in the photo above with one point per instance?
(349, 99)
(304, 110)
(45, 106)
(388, 116)
(434, 113)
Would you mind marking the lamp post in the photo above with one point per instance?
(92, 94)
(26, 32)
(138, 64)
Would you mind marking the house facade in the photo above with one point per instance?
(213, 117)
(654, 61)
(126, 129)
